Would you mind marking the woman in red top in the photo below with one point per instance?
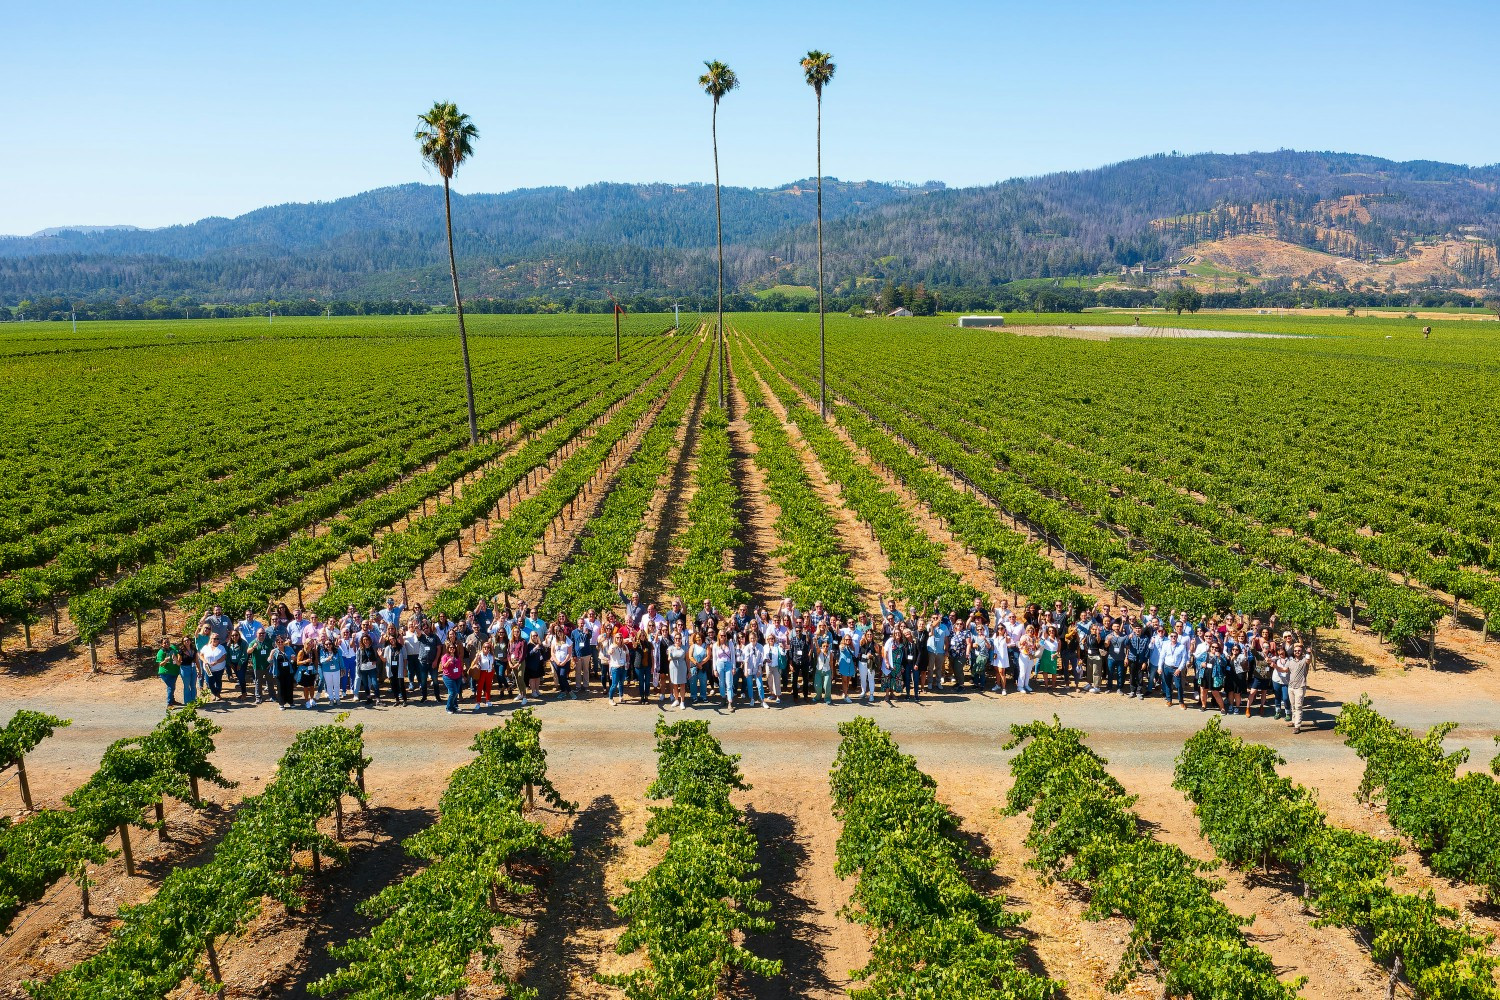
(451, 666)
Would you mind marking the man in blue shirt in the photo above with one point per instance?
(1137, 657)
(937, 647)
(249, 627)
(484, 618)
(583, 655)
(391, 615)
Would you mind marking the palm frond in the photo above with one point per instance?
(719, 80)
(446, 137)
(817, 69)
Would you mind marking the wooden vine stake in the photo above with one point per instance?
(25, 785)
(161, 822)
(125, 850)
(213, 964)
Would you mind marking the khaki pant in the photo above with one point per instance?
(1297, 696)
(1095, 671)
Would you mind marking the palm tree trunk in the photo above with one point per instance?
(822, 338)
(719, 224)
(458, 305)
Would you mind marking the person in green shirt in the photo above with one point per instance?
(259, 655)
(239, 657)
(167, 662)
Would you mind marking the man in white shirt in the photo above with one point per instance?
(1174, 658)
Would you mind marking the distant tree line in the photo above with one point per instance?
(1022, 297)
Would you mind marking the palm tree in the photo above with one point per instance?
(447, 140)
(718, 81)
(817, 68)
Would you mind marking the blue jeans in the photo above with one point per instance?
(367, 682)
(170, 680)
(453, 686)
(909, 685)
(755, 688)
(420, 675)
(726, 684)
(216, 683)
(1114, 674)
(1283, 699)
(1170, 681)
(698, 685)
(189, 684)
(617, 682)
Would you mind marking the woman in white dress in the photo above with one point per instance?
(677, 668)
(1030, 648)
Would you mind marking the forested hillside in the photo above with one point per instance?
(658, 238)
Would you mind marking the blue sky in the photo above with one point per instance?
(165, 112)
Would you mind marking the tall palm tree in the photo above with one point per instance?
(718, 81)
(817, 68)
(447, 140)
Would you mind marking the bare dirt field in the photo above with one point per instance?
(1124, 332)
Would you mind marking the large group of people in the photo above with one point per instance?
(764, 657)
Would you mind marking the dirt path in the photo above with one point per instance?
(655, 552)
(957, 557)
(764, 577)
(867, 567)
(565, 532)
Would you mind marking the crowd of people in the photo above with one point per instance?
(742, 658)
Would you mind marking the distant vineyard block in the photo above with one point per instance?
(981, 321)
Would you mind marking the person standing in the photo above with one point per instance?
(168, 665)
(307, 670)
(753, 661)
(188, 665)
(451, 667)
(259, 655)
(393, 659)
(282, 667)
(560, 654)
(1174, 660)
(1297, 667)
(367, 670)
(677, 667)
(484, 674)
(1092, 649)
(848, 665)
(1029, 650)
(331, 667)
(1137, 658)
(723, 659)
(615, 651)
(867, 655)
(582, 638)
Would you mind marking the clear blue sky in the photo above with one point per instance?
(166, 112)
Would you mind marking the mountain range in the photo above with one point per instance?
(659, 239)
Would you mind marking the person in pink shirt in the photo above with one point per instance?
(451, 666)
